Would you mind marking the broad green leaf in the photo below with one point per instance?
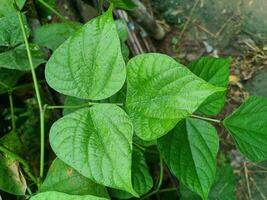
(248, 127)
(142, 181)
(124, 4)
(52, 195)
(222, 189)
(10, 31)
(190, 151)
(97, 142)
(11, 178)
(63, 178)
(8, 78)
(89, 65)
(17, 58)
(53, 35)
(160, 93)
(216, 72)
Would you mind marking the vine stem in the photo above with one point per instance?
(12, 111)
(23, 162)
(35, 82)
(63, 18)
(157, 190)
(206, 118)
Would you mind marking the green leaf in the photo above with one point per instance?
(142, 181)
(62, 196)
(97, 142)
(6, 6)
(216, 72)
(123, 35)
(222, 189)
(190, 151)
(160, 93)
(10, 31)
(248, 127)
(53, 35)
(8, 78)
(224, 184)
(63, 178)
(89, 65)
(124, 4)
(11, 178)
(17, 58)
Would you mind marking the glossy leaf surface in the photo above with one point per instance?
(160, 93)
(89, 68)
(97, 142)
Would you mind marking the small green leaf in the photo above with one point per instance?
(97, 142)
(53, 35)
(142, 181)
(8, 78)
(89, 65)
(62, 196)
(11, 178)
(216, 72)
(63, 178)
(160, 93)
(17, 58)
(248, 126)
(124, 4)
(10, 31)
(190, 151)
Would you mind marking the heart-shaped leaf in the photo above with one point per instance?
(160, 93)
(190, 151)
(89, 65)
(248, 126)
(97, 142)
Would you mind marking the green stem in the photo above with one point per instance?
(12, 111)
(157, 190)
(206, 118)
(88, 104)
(35, 82)
(160, 174)
(63, 18)
(23, 162)
(42, 145)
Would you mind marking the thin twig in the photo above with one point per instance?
(247, 179)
